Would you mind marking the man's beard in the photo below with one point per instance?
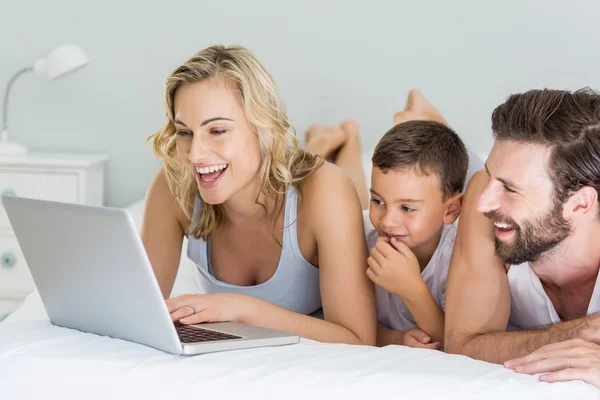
(533, 238)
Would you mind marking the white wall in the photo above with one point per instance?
(331, 60)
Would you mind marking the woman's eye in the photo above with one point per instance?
(218, 131)
(184, 133)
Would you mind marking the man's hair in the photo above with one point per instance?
(567, 122)
(430, 148)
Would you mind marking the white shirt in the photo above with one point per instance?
(530, 306)
(391, 310)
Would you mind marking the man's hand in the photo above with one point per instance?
(574, 359)
(394, 267)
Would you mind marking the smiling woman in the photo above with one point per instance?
(262, 216)
(208, 174)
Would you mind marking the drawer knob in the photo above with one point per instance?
(9, 192)
(8, 259)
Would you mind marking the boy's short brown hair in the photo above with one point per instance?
(428, 146)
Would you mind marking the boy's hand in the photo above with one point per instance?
(417, 338)
(394, 267)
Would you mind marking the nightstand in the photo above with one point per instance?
(71, 177)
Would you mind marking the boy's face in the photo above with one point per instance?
(407, 205)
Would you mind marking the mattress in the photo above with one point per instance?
(40, 360)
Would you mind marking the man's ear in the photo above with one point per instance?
(583, 201)
(453, 206)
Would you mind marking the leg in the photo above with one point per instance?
(324, 142)
(349, 159)
(341, 146)
(419, 108)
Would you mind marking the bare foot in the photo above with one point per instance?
(350, 128)
(324, 141)
(418, 108)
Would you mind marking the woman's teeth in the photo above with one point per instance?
(212, 168)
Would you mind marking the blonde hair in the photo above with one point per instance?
(283, 161)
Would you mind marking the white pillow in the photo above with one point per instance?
(185, 282)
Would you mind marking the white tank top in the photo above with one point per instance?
(295, 283)
(391, 310)
(530, 306)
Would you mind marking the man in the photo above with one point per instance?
(522, 287)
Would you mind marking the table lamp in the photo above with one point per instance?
(59, 62)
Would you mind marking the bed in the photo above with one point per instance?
(39, 360)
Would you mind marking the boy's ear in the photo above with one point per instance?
(453, 206)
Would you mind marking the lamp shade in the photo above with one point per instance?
(61, 61)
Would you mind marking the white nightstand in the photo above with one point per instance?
(74, 178)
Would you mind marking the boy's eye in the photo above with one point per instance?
(377, 202)
(407, 209)
(184, 133)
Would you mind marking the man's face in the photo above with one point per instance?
(520, 200)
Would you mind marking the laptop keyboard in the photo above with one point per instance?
(188, 334)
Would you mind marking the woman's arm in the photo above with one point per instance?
(334, 220)
(387, 336)
(333, 215)
(162, 232)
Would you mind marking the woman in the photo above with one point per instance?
(276, 233)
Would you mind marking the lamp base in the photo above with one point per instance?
(12, 149)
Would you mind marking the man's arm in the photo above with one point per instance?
(499, 347)
(478, 295)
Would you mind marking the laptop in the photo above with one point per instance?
(93, 275)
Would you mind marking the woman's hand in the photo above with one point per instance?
(198, 308)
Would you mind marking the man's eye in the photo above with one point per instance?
(509, 190)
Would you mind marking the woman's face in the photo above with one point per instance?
(215, 139)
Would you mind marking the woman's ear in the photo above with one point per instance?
(452, 208)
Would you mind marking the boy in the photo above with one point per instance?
(419, 171)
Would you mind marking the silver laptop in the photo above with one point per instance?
(93, 275)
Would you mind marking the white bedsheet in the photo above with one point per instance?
(39, 360)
